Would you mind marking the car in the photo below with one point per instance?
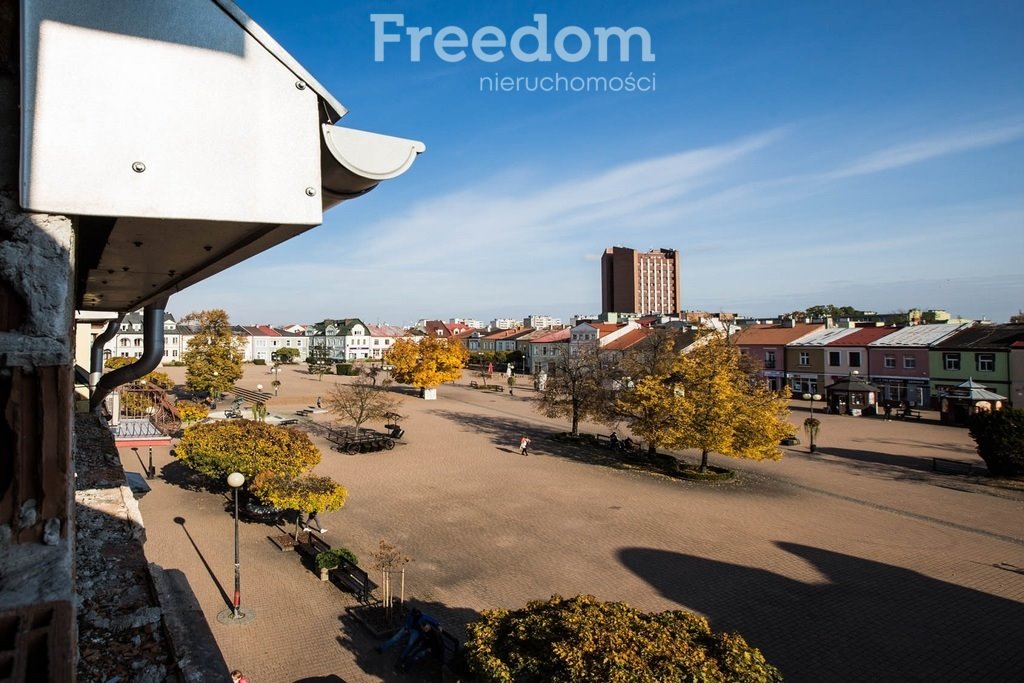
(252, 509)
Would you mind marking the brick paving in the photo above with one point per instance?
(855, 563)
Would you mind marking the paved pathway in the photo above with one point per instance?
(856, 563)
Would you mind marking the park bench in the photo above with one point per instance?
(952, 466)
(313, 545)
(289, 421)
(489, 387)
(305, 412)
(351, 577)
(619, 444)
(909, 414)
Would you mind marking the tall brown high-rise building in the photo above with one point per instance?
(641, 282)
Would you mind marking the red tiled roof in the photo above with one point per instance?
(773, 334)
(863, 336)
(556, 336)
(629, 339)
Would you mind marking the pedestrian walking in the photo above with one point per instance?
(238, 677)
(524, 445)
(313, 519)
(318, 404)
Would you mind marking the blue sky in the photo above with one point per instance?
(796, 153)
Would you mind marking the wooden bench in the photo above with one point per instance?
(313, 545)
(474, 384)
(350, 577)
(952, 466)
(909, 414)
(305, 412)
(289, 421)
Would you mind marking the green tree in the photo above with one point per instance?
(361, 401)
(303, 494)
(1000, 438)
(578, 389)
(319, 360)
(213, 360)
(285, 355)
(724, 407)
(427, 363)
(219, 448)
(583, 640)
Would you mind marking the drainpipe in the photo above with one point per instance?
(96, 364)
(152, 353)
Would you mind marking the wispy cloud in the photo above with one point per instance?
(519, 220)
(924, 150)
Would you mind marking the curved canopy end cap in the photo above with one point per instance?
(371, 155)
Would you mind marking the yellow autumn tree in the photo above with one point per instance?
(723, 407)
(304, 494)
(428, 363)
(651, 408)
(218, 448)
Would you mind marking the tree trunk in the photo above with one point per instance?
(703, 461)
(652, 449)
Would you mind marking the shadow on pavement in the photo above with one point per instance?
(505, 432)
(864, 621)
(357, 640)
(177, 474)
(223, 594)
(330, 678)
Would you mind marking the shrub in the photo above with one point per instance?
(191, 411)
(259, 361)
(1000, 439)
(583, 639)
(161, 379)
(328, 559)
(344, 369)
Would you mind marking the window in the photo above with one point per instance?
(985, 362)
(769, 360)
(951, 361)
(834, 359)
(909, 362)
(797, 385)
(854, 359)
(805, 358)
(889, 361)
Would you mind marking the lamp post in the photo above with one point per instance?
(277, 382)
(811, 424)
(812, 398)
(235, 481)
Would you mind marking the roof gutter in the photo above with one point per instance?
(152, 353)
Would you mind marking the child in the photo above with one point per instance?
(524, 445)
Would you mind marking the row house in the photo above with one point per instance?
(524, 345)
(261, 342)
(129, 341)
(899, 363)
(766, 344)
(806, 360)
(984, 353)
(346, 339)
(547, 349)
(383, 337)
(601, 334)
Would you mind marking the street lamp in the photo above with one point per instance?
(812, 398)
(811, 424)
(235, 481)
(277, 382)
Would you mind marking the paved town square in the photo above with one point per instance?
(855, 563)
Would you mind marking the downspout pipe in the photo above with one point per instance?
(152, 353)
(96, 362)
